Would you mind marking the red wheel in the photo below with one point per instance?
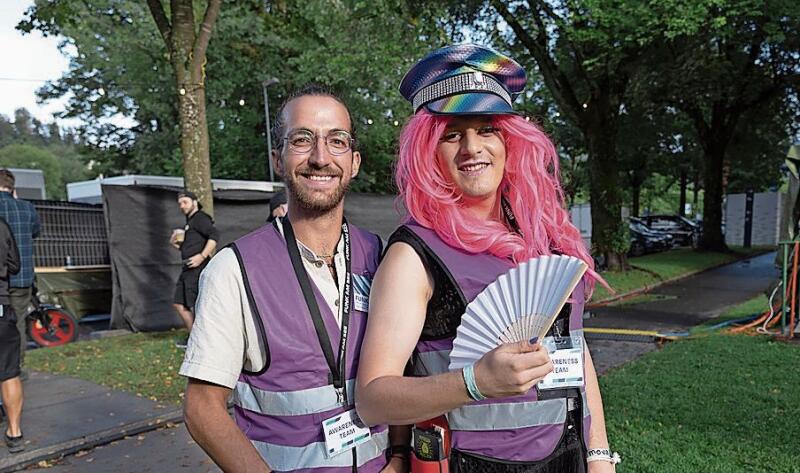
(61, 328)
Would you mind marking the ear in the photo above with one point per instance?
(356, 164)
(277, 162)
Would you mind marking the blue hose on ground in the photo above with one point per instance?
(718, 326)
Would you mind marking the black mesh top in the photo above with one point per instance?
(447, 303)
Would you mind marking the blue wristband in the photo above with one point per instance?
(472, 386)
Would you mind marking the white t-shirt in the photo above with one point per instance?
(225, 338)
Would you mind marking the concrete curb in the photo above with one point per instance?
(648, 288)
(24, 459)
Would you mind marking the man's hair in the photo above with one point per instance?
(7, 179)
(310, 89)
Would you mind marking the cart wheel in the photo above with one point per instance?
(60, 328)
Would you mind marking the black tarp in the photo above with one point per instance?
(140, 219)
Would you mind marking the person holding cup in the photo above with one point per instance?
(197, 241)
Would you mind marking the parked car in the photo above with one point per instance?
(685, 232)
(647, 240)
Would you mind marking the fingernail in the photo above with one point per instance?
(533, 340)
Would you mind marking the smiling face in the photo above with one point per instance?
(472, 153)
(317, 179)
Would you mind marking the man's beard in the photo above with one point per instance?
(316, 202)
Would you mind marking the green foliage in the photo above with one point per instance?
(32, 157)
(144, 364)
(360, 48)
(715, 404)
(71, 156)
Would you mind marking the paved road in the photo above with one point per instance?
(165, 450)
(687, 303)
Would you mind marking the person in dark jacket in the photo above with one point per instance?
(21, 216)
(10, 382)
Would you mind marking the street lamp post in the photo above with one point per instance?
(264, 86)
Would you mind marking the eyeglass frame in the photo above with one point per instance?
(350, 139)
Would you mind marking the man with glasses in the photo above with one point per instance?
(281, 314)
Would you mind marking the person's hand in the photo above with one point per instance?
(194, 261)
(396, 465)
(512, 369)
(602, 467)
(173, 238)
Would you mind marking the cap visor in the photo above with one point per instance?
(472, 103)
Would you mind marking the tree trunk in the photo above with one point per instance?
(682, 204)
(713, 239)
(609, 236)
(187, 51)
(194, 144)
(192, 105)
(636, 194)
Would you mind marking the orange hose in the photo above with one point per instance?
(751, 324)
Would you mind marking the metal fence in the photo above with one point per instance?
(72, 234)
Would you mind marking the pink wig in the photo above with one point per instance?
(531, 185)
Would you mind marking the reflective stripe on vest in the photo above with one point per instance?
(502, 415)
(515, 415)
(289, 403)
(283, 458)
(432, 362)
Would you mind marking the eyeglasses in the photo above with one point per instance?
(302, 141)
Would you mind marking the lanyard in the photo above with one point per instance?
(337, 370)
(509, 214)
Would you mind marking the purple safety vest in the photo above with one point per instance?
(519, 428)
(281, 408)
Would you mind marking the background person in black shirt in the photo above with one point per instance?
(10, 382)
(197, 241)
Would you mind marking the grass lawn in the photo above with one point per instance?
(650, 269)
(722, 403)
(145, 364)
(756, 305)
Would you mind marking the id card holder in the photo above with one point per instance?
(344, 432)
(566, 353)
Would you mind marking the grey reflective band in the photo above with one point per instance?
(285, 458)
(515, 415)
(432, 362)
(585, 403)
(468, 82)
(289, 403)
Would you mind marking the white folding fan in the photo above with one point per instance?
(521, 304)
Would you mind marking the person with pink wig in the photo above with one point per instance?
(481, 187)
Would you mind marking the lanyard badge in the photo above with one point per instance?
(337, 369)
(566, 353)
(343, 431)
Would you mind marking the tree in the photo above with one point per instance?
(32, 157)
(186, 45)
(43, 142)
(119, 53)
(740, 56)
(587, 54)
